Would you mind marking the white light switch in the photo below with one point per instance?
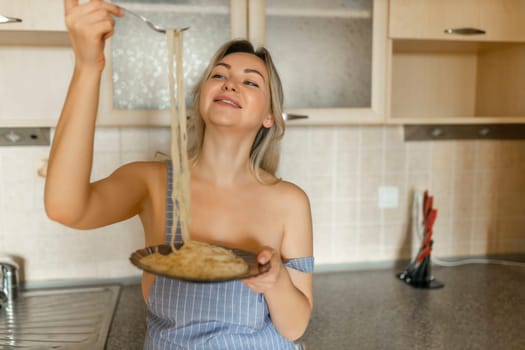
(388, 197)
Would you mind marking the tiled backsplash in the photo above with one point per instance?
(478, 188)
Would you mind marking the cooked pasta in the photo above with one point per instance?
(179, 155)
(198, 260)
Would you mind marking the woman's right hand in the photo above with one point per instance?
(89, 25)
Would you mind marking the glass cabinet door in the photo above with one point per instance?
(139, 55)
(325, 52)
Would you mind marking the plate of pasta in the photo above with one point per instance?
(198, 262)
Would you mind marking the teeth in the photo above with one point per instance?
(229, 102)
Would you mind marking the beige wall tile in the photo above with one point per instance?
(484, 229)
(418, 160)
(372, 137)
(370, 235)
(347, 163)
(371, 162)
(394, 138)
(465, 156)
(398, 236)
(323, 244)
(368, 186)
(511, 206)
(512, 181)
(345, 243)
(485, 205)
(348, 139)
(322, 212)
(512, 229)
(397, 215)
(487, 181)
(463, 207)
(479, 248)
(460, 249)
(442, 181)
(369, 213)
(395, 179)
(464, 182)
(418, 180)
(395, 161)
(346, 213)
(510, 153)
(461, 231)
(443, 155)
(488, 156)
(348, 187)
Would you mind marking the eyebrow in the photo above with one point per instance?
(247, 70)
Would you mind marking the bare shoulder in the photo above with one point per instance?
(289, 191)
(284, 190)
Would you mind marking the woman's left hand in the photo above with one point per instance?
(271, 266)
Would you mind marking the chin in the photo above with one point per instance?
(222, 120)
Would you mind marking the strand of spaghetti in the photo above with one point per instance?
(179, 157)
(183, 139)
(174, 136)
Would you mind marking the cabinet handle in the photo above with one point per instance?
(4, 19)
(288, 116)
(465, 31)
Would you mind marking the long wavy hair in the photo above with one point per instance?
(264, 153)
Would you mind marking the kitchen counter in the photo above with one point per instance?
(480, 307)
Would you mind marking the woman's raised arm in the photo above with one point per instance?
(70, 198)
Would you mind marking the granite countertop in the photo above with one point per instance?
(480, 307)
(129, 321)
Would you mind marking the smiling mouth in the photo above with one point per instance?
(227, 101)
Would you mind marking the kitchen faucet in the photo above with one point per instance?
(9, 291)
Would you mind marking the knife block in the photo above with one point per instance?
(419, 275)
(419, 272)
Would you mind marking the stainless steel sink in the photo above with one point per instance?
(70, 318)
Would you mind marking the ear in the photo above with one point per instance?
(268, 121)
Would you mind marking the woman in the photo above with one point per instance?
(236, 200)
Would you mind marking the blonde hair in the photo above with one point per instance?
(264, 153)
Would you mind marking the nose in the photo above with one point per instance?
(229, 85)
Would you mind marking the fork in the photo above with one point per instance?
(149, 23)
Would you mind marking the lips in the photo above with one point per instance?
(227, 100)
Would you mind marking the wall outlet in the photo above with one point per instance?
(388, 197)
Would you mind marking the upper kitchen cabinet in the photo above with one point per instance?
(135, 89)
(36, 63)
(480, 20)
(330, 54)
(457, 61)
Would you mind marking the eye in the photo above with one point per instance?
(251, 83)
(217, 76)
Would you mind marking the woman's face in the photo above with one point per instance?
(237, 93)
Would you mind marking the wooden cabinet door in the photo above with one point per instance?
(134, 87)
(504, 20)
(429, 19)
(500, 20)
(331, 56)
